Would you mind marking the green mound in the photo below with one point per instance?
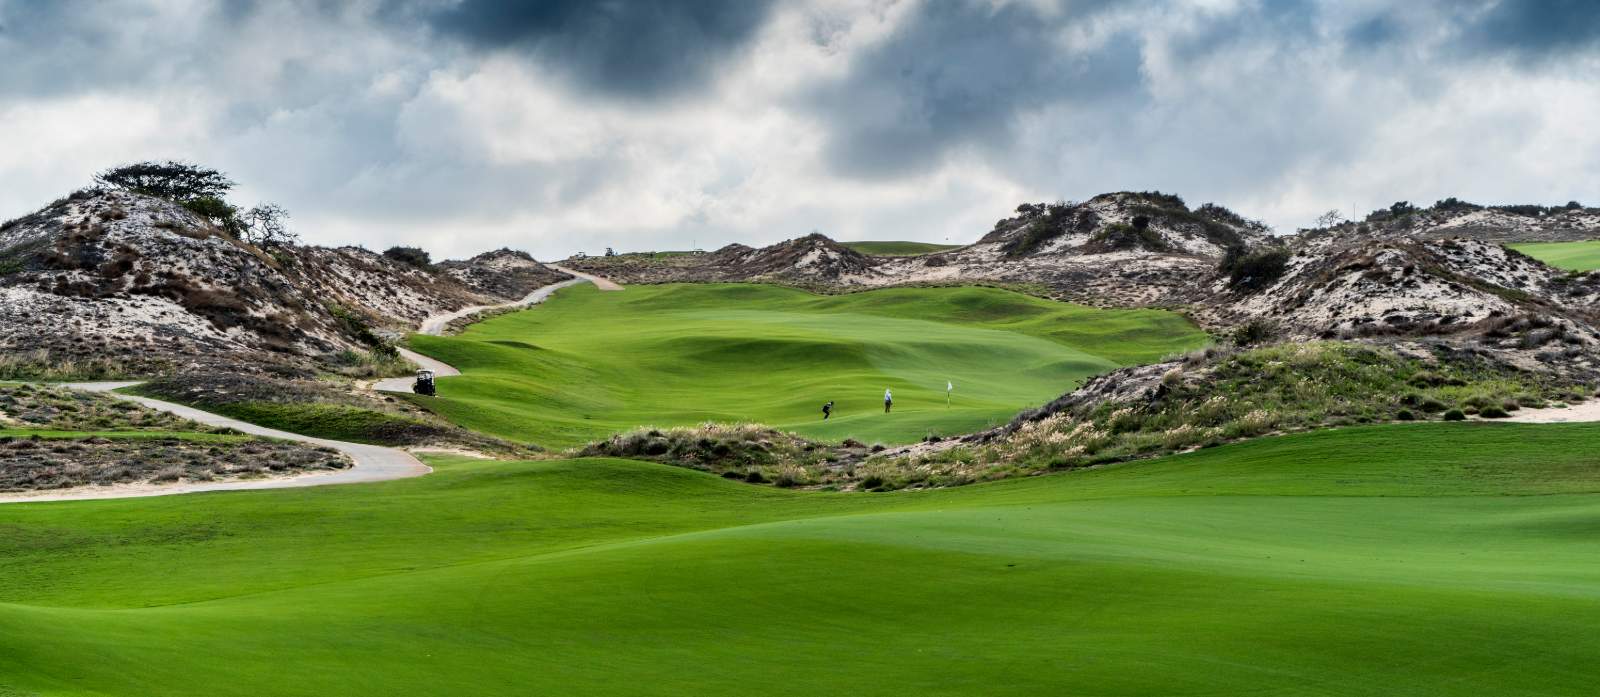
(899, 249)
(588, 364)
(1425, 559)
(1573, 256)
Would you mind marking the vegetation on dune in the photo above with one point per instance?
(586, 365)
(1253, 271)
(45, 461)
(1260, 567)
(40, 364)
(60, 409)
(1220, 395)
(55, 438)
(411, 256)
(1572, 256)
(747, 452)
(202, 191)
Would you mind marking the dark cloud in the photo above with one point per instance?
(957, 74)
(644, 48)
(1538, 29)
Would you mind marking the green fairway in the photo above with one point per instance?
(1424, 559)
(898, 248)
(1573, 256)
(587, 364)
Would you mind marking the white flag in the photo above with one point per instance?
(948, 386)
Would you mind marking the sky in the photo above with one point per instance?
(563, 126)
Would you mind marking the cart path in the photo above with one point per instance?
(435, 325)
(372, 463)
(601, 283)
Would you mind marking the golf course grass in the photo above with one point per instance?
(1422, 559)
(587, 364)
(1573, 256)
(899, 249)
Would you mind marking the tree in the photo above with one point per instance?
(173, 180)
(263, 226)
(1330, 219)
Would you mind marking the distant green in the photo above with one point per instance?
(1423, 560)
(899, 248)
(1573, 256)
(587, 364)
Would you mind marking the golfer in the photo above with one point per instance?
(888, 400)
(827, 410)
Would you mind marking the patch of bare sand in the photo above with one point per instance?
(1575, 413)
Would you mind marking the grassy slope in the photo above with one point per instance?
(899, 249)
(589, 364)
(1573, 256)
(1426, 559)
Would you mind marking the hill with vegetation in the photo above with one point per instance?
(588, 364)
(111, 282)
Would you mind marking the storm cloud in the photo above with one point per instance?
(561, 126)
(636, 48)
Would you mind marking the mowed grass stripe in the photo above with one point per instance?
(888, 248)
(1426, 559)
(587, 364)
(1573, 256)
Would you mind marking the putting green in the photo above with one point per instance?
(588, 364)
(1573, 256)
(1424, 559)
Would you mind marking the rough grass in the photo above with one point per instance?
(586, 365)
(318, 409)
(1423, 559)
(1573, 256)
(56, 408)
(31, 461)
(747, 452)
(43, 365)
(382, 362)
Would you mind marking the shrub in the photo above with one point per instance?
(1405, 415)
(1124, 236)
(1253, 332)
(1455, 415)
(1493, 412)
(1252, 271)
(410, 256)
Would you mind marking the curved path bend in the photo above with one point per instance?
(436, 324)
(372, 463)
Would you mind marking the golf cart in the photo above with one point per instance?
(424, 383)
